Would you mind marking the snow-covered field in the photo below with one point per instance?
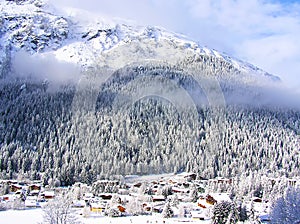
(30, 216)
(35, 216)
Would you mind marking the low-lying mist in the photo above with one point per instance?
(40, 67)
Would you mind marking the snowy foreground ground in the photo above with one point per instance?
(35, 216)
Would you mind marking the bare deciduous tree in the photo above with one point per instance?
(59, 211)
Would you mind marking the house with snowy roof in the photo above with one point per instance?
(211, 199)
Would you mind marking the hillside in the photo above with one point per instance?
(41, 134)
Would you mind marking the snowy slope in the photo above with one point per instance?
(78, 37)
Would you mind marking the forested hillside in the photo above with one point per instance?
(43, 137)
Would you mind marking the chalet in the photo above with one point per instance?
(221, 197)
(206, 202)
(124, 199)
(9, 182)
(290, 182)
(154, 188)
(180, 190)
(185, 177)
(225, 181)
(34, 193)
(106, 196)
(15, 187)
(158, 198)
(35, 187)
(211, 199)
(220, 180)
(97, 207)
(138, 185)
(30, 203)
(48, 195)
(257, 200)
(200, 183)
(108, 182)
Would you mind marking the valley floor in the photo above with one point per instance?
(184, 200)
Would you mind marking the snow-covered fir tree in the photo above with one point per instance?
(167, 211)
(224, 212)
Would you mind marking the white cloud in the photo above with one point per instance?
(44, 66)
(263, 32)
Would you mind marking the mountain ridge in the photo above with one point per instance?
(36, 27)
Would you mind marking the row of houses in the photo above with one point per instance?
(98, 202)
(32, 194)
(154, 201)
(15, 186)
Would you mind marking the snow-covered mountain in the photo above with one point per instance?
(137, 103)
(78, 37)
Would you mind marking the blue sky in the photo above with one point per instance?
(265, 33)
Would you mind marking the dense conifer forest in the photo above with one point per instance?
(43, 137)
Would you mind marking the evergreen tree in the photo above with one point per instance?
(175, 201)
(243, 213)
(167, 211)
(224, 212)
(166, 191)
(113, 212)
